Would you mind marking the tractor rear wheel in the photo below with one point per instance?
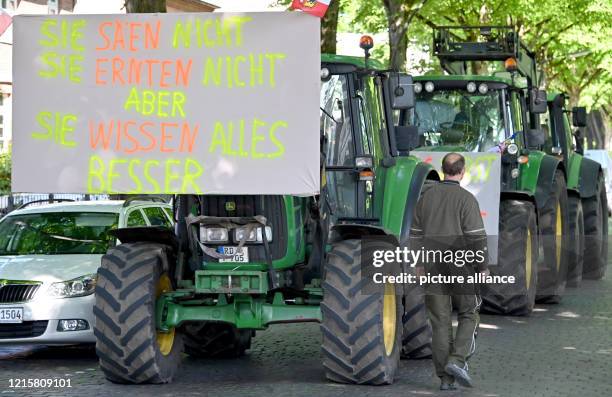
(554, 232)
(596, 233)
(129, 346)
(416, 338)
(216, 340)
(361, 322)
(576, 242)
(518, 257)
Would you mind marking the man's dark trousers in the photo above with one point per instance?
(446, 348)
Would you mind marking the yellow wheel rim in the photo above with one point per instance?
(165, 340)
(528, 263)
(559, 236)
(389, 318)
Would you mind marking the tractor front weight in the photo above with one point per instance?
(245, 311)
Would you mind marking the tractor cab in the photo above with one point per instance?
(470, 112)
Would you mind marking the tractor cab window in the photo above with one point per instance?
(338, 147)
(454, 118)
(335, 120)
(547, 125)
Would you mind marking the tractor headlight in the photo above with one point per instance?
(512, 149)
(213, 235)
(483, 88)
(80, 286)
(418, 88)
(471, 87)
(429, 86)
(255, 236)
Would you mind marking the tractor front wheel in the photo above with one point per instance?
(596, 233)
(362, 321)
(555, 229)
(576, 253)
(129, 346)
(518, 257)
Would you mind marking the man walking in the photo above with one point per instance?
(447, 218)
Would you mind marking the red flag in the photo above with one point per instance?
(5, 21)
(313, 7)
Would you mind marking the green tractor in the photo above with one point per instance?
(586, 191)
(500, 113)
(237, 264)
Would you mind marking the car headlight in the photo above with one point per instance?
(213, 235)
(256, 234)
(80, 286)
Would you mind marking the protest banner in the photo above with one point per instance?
(214, 103)
(482, 176)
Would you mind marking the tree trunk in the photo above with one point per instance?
(329, 28)
(145, 6)
(399, 14)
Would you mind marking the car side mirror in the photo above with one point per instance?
(406, 138)
(537, 101)
(401, 91)
(535, 138)
(579, 117)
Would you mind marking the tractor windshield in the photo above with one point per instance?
(456, 119)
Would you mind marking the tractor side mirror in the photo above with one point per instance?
(537, 101)
(536, 138)
(401, 91)
(579, 117)
(406, 138)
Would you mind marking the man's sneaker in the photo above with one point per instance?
(447, 386)
(460, 374)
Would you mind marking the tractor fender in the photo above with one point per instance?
(423, 172)
(589, 177)
(347, 231)
(152, 234)
(546, 176)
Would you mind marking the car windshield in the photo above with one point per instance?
(57, 233)
(456, 118)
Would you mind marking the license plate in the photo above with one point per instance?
(239, 255)
(11, 315)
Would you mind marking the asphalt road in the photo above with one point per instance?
(561, 350)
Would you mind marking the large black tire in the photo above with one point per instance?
(130, 278)
(215, 340)
(554, 232)
(576, 242)
(416, 337)
(518, 234)
(596, 233)
(354, 346)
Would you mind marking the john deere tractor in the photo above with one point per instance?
(238, 264)
(500, 113)
(587, 199)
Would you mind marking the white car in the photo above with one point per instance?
(603, 158)
(49, 257)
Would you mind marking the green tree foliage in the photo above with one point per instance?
(5, 173)
(572, 38)
(143, 6)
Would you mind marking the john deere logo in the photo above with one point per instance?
(230, 206)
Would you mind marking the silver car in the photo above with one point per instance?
(49, 257)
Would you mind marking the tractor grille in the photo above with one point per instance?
(27, 329)
(272, 207)
(11, 293)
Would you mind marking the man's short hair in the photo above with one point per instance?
(453, 164)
